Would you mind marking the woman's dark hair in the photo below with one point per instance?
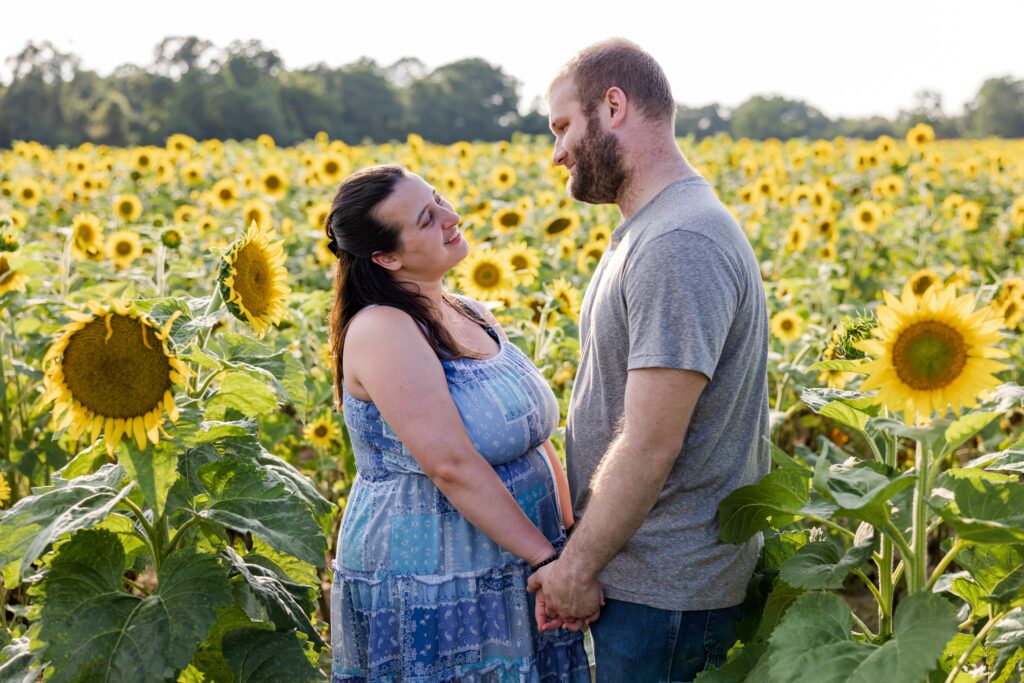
(354, 235)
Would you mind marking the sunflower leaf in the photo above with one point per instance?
(819, 565)
(967, 426)
(818, 398)
(982, 511)
(209, 659)
(814, 636)
(243, 392)
(1007, 638)
(242, 499)
(837, 365)
(95, 629)
(17, 662)
(287, 603)
(38, 520)
(155, 470)
(1009, 460)
(750, 509)
(259, 656)
(861, 490)
(845, 414)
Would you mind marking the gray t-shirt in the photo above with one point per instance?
(678, 287)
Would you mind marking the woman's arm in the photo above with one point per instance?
(393, 362)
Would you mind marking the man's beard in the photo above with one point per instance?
(599, 171)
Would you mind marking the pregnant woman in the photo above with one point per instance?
(454, 500)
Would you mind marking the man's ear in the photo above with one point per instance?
(617, 103)
(388, 261)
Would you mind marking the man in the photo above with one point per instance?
(669, 412)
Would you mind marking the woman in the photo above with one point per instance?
(453, 502)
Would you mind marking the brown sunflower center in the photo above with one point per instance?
(320, 431)
(123, 248)
(5, 267)
(519, 262)
(559, 225)
(125, 208)
(272, 182)
(929, 355)
(486, 275)
(28, 193)
(253, 278)
(867, 217)
(922, 284)
(226, 193)
(85, 234)
(510, 219)
(331, 167)
(123, 376)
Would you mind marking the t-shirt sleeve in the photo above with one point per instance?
(681, 293)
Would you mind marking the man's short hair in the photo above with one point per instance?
(618, 62)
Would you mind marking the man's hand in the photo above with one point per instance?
(564, 597)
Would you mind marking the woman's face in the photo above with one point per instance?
(430, 243)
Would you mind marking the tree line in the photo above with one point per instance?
(194, 87)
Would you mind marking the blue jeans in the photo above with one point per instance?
(635, 643)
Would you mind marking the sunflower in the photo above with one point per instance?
(143, 159)
(127, 207)
(185, 214)
(332, 168)
(1011, 311)
(826, 228)
(566, 297)
(920, 135)
(967, 215)
(179, 142)
(932, 352)
(111, 372)
(224, 194)
(256, 211)
(192, 172)
(797, 236)
(317, 214)
(87, 236)
(28, 192)
(502, 177)
(508, 219)
(485, 274)
(563, 224)
(11, 280)
(322, 432)
(866, 217)
(525, 262)
(5, 491)
(589, 255)
(836, 379)
(123, 247)
(252, 279)
(923, 280)
(787, 326)
(827, 252)
(1017, 213)
(274, 183)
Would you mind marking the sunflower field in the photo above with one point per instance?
(172, 466)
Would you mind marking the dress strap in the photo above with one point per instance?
(491, 332)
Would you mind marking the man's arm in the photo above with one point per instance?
(658, 405)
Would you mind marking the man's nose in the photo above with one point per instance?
(558, 156)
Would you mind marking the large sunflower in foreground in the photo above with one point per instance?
(485, 275)
(252, 279)
(932, 352)
(110, 372)
(321, 432)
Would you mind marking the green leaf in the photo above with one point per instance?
(94, 629)
(814, 636)
(86, 462)
(749, 509)
(1007, 638)
(1009, 460)
(244, 393)
(861, 489)
(294, 569)
(38, 520)
(840, 365)
(1011, 588)
(818, 398)
(287, 603)
(984, 512)
(779, 547)
(929, 435)
(18, 662)
(209, 659)
(241, 499)
(787, 462)
(155, 470)
(287, 372)
(819, 564)
(845, 414)
(967, 426)
(259, 656)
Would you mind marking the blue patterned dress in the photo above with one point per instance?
(420, 594)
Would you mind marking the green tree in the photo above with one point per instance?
(763, 117)
(998, 109)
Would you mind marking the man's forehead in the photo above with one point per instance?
(561, 96)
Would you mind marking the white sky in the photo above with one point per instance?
(854, 58)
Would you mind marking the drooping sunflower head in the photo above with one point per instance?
(87, 236)
(111, 372)
(566, 298)
(253, 279)
(932, 353)
(11, 279)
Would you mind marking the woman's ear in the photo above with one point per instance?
(387, 261)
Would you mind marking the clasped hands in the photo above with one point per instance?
(565, 598)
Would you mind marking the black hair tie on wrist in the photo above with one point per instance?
(535, 567)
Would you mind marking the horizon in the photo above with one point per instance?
(840, 85)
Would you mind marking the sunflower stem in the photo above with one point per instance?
(151, 534)
(885, 588)
(216, 301)
(892, 532)
(917, 576)
(180, 533)
(955, 671)
(65, 266)
(161, 260)
(958, 545)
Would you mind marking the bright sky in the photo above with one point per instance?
(845, 58)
